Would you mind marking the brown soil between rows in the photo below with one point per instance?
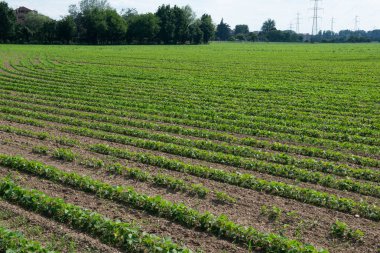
(246, 211)
(49, 231)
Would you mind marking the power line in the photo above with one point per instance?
(298, 23)
(316, 9)
(356, 23)
(332, 24)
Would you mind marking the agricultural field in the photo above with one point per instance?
(212, 148)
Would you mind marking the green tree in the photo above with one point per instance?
(252, 37)
(241, 29)
(196, 33)
(269, 26)
(143, 28)
(181, 21)
(116, 27)
(190, 15)
(35, 22)
(167, 25)
(207, 27)
(48, 31)
(23, 34)
(7, 22)
(94, 26)
(66, 29)
(223, 31)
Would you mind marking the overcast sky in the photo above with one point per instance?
(251, 12)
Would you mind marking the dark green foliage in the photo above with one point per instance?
(241, 29)
(143, 28)
(269, 26)
(196, 33)
(223, 31)
(95, 22)
(7, 22)
(207, 27)
(167, 25)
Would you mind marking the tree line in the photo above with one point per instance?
(268, 33)
(96, 22)
(347, 36)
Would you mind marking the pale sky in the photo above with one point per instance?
(250, 12)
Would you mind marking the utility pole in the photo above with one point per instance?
(356, 23)
(316, 18)
(298, 23)
(332, 24)
(291, 27)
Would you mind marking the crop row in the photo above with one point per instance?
(243, 151)
(306, 151)
(217, 225)
(159, 179)
(11, 241)
(194, 120)
(263, 167)
(59, 77)
(238, 151)
(304, 195)
(283, 171)
(114, 233)
(243, 180)
(244, 124)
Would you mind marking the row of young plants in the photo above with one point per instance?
(51, 107)
(293, 123)
(25, 132)
(22, 120)
(49, 76)
(218, 225)
(96, 72)
(202, 144)
(291, 172)
(162, 180)
(246, 126)
(176, 119)
(11, 241)
(58, 77)
(283, 171)
(111, 232)
(215, 126)
(246, 181)
(304, 195)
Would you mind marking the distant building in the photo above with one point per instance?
(21, 13)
